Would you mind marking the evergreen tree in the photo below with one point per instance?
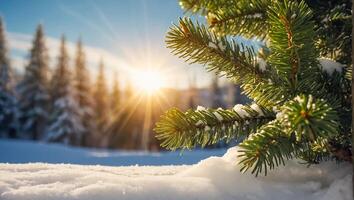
(65, 123)
(112, 131)
(302, 104)
(101, 103)
(33, 90)
(122, 128)
(83, 94)
(115, 97)
(7, 98)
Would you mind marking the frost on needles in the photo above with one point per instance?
(301, 100)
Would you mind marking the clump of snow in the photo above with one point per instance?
(218, 45)
(212, 45)
(279, 115)
(200, 108)
(258, 109)
(199, 122)
(238, 108)
(218, 116)
(262, 64)
(254, 16)
(329, 65)
(212, 178)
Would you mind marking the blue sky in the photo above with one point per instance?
(129, 34)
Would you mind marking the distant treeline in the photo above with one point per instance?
(64, 105)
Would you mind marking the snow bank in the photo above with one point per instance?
(212, 178)
(293, 181)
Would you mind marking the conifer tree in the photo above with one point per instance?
(122, 127)
(101, 102)
(302, 104)
(65, 123)
(7, 98)
(83, 94)
(115, 97)
(116, 110)
(33, 90)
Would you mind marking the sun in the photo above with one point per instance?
(148, 80)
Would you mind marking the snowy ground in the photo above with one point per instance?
(15, 151)
(212, 178)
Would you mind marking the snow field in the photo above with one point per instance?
(212, 178)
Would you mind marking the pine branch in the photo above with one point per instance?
(246, 18)
(308, 126)
(267, 93)
(266, 149)
(208, 126)
(238, 62)
(291, 40)
(298, 131)
(203, 6)
(310, 118)
(197, 44)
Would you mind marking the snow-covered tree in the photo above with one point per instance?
(101, 102)
(65, 124)
(302, 104)
(115, 97)
(7, 97)
(83, 94)
(33, 91)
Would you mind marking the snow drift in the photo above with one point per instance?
(212, 178)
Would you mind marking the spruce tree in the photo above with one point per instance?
(83, 94)
(65, 123)
(302, 103)
(122, 127)
(101, 102)
(33, 90)
(7, 97)
(115, 97)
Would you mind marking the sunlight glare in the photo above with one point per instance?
(148, 81)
